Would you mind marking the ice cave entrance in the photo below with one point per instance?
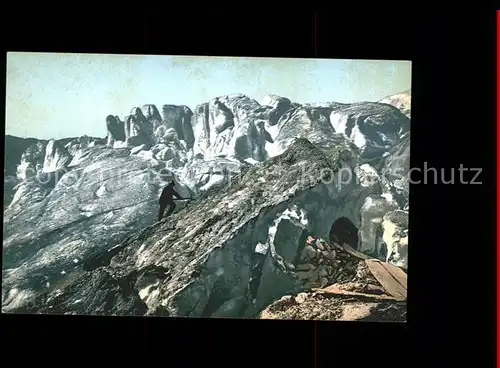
(344, 231)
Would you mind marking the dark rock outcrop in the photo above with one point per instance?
(395, 170)
(279, 106)
(32, 160)
(92, 293)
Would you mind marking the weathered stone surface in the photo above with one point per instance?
(309, 253)
(329, 254)
(390, 277)
(400, 100)
(80, 233)
(137, 149)
(305, 267)
(279, 106)
(77, 147)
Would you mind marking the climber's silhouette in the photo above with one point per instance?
(167, 200)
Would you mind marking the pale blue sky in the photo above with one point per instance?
(66, 95)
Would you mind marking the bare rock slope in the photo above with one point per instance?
(231, 252)
(80, 230)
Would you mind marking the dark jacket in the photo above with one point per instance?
(168, 194)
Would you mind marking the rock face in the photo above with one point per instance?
(279, 106)
(80, 214)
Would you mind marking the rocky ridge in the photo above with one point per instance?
(239, 245)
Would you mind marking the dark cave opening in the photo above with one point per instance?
(302, 245)
(344, 231)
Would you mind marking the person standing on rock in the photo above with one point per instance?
(167, 200)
